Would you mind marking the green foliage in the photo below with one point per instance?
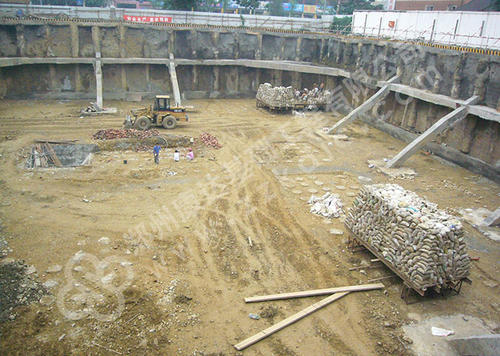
(348, 7)
(275, 7)
(186, 5)
(341, 25)
(249, 4)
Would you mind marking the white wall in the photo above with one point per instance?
(450, 27)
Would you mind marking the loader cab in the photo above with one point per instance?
(162, 103)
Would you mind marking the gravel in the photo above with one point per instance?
(17, 288)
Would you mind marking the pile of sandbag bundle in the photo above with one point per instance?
(275, 96)
(425, 244)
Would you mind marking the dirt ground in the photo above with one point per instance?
(158, 259)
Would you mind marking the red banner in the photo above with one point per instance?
(164, 19)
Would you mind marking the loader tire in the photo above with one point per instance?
(169, 122)
(142, 123)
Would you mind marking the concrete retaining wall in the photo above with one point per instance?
(134, 65)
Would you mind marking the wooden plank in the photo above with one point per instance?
(53, 155)
(380, 278)
(443, 123)
(290, 320)
(314, 292)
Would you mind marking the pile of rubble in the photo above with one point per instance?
(276, 96)
(111, 134)
(210, 140)
(91, 108)
(329, 205)
(18, 286)
(422, 242)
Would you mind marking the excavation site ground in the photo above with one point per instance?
(124, 256)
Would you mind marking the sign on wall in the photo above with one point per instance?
(163, 19)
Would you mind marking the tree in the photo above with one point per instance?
(348, 7)
(249, 4)
(275, 7)
(342, 25)
(181, 4)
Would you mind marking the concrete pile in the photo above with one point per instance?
(425, 244)
(329, 205)
(276, 96)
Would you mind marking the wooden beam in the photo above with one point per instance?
(443, 123)
(367, 105)
(314, 292)
(290, 320)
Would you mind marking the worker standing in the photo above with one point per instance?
(156, 153)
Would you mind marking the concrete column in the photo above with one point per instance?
(216, 78)
(321, 54)
(194, 39)
(3, 85)
(215, 42)
(330, 82)
(297, 80)
(75, 43)
(236, 71)
(282, 50)
(258, 53)
(96, 39)
(278, 77)
(338, 54)
(171, 42)
(123, 32)
(78, 79)
(257, 79)
(148, 79)
(298, 49)
(123, 76)
(47, 39)
(237, 49)
(98, 78)
(469, 134)
(52, 77)
(20, 41)
(194, 85)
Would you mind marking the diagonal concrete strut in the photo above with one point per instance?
(367, 105)
(443, 123)
(173, 79)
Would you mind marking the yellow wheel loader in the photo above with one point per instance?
(158, 114)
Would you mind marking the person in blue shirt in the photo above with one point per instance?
(156, 152)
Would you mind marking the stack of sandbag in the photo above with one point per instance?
(422, 242)
(275, 96)
(320, 98)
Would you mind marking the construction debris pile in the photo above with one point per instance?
(276, 97)
(111, 134)
(91, 108)
(423, 243)
(210, 140)
(43, 155)
(329, 205)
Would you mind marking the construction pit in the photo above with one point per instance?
(128, 257)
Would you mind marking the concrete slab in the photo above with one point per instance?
(482, 345)
(424, 343)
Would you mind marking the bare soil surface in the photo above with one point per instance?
(158, 259)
